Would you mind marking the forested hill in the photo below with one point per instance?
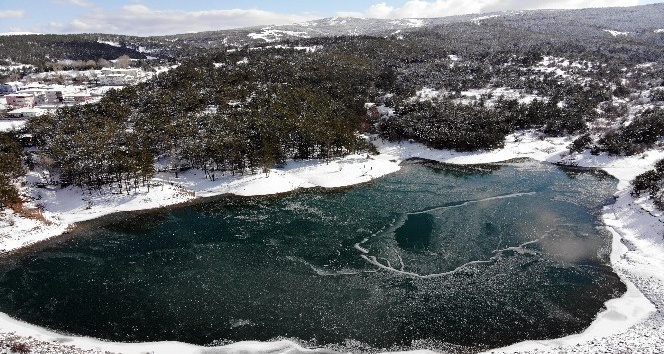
(632, 23)
(639, 20)
(461, 84)
(40, 49)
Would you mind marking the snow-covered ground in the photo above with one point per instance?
(269, 34)
(478, 20)
(471, 96)
(566, 69)
(616, 33)
(633, 323)
(11, 124)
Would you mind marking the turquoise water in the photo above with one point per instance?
(433, 256)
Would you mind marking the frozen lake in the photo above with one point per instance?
(434, 256)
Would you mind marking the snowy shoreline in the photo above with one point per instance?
(630, 322)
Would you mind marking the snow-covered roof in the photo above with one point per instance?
(27, 110)
(34, 85)
(33, 91)
(79, 94)
(19, 95)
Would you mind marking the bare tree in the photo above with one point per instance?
(103, 63)
(122, 62)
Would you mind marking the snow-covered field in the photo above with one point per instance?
(269, 34)
(633, 323)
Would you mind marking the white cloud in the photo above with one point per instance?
(141, 20)
(439, 8)
(12, 14)
(56, 25)
(80, 3)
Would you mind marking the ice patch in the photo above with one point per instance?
(241, 323)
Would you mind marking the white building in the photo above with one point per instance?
(118, 77)
(54, 96)
(38, 93)
(116, 71)
(26, 112)
(33, 86)
(77, 97)
(57, 94)
(113, 80)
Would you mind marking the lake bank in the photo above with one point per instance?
(622, 312)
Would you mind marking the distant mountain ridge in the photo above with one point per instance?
(644, 23)
(621, 19)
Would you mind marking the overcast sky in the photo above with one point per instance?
(154, 17)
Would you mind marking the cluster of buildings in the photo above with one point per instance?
(24, 100)
(118, 77)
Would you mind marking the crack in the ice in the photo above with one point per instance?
(468, 202)
(518, 249)
(323, 272)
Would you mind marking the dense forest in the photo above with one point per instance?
(224, 117)
(35, 49)
(247, 108)
(11, 168)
